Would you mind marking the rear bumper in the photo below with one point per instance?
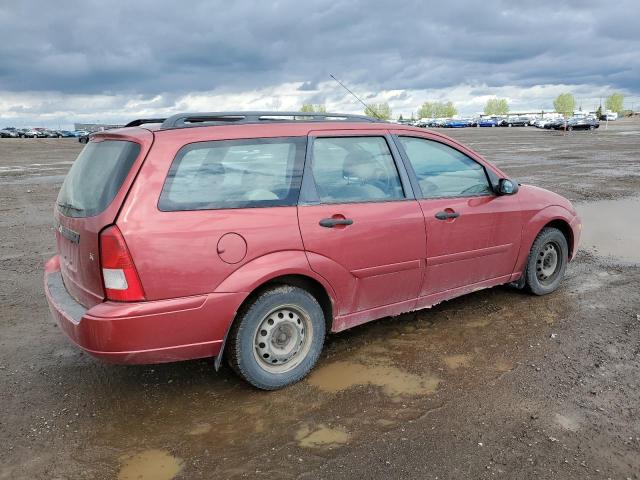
(143, 332)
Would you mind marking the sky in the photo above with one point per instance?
(113, 61)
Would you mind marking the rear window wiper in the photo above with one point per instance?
(70, 206)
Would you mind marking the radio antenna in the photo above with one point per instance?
(366, 107)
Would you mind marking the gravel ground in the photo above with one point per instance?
(497, 384)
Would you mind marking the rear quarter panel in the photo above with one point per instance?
(176, 253)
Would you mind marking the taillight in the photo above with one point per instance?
(121, 280)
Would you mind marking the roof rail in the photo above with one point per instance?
(142, 121)
(185, 120)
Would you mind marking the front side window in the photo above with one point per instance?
(355, 169)
(443, 171)
(261, 172)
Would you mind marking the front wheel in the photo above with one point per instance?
(547, 261)
(278, 338)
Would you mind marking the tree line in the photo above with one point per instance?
(565, 103)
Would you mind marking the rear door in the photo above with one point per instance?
(473, 235)
(89, 200)
(361, 226)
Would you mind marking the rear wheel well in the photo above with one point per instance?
(312, 286)
(564, 227)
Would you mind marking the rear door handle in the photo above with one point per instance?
(447, 215)
(332, 222)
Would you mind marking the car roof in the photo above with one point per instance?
(275, 129)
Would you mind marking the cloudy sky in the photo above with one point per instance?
(112, 61)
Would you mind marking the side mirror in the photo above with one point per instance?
(507, 187)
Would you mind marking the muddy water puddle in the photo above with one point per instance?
(455, 362)
(612, 228)
(342, 375)
(321, 436)
(150, 465)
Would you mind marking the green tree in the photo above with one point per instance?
(615, 102)
(496, 106)
(311, 108)
(378, 110)
(599, 111)
(426, 110)
(437, 110)
(565, 104)
(450, 110)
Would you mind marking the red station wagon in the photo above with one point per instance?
(252, 234)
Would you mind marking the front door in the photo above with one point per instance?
(361, 228)
(473, 235)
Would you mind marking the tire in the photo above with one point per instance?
(570, 129)
(547, 261)
(297, 318)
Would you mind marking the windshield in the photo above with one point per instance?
(95, 177)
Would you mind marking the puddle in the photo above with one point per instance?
(504, 365)
(385, 422)
(457, 361)
(150, 465)
(200, 429)
(321, 437)
(341, 375)
(611, 228)
(46, 179)
(477, 323)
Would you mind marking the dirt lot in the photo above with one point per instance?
(498, 384)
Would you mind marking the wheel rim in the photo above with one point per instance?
(548, 263)
(283, 339)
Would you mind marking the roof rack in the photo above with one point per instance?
(142, 121)
(185, 120)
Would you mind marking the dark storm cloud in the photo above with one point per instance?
(149, 47)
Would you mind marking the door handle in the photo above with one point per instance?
(446, 215)
(332, 222)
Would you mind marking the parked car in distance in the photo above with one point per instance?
(488, 122)
(515, 122)
(609, 116)
(541, 122)
(582, 123)
(554, 124)
(251, 235)
(32, 133)
(8, 134)
(456, 123)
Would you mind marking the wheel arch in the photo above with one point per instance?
(553, 216)
(564, 226)
(290, 268)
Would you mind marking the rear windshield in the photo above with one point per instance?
(264, 172)
(95, 177)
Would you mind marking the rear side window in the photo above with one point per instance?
(355, 169)
(443, 171)
(95, 177)
(223, 174)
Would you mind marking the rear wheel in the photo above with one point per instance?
(278, 338)
(547, 261)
